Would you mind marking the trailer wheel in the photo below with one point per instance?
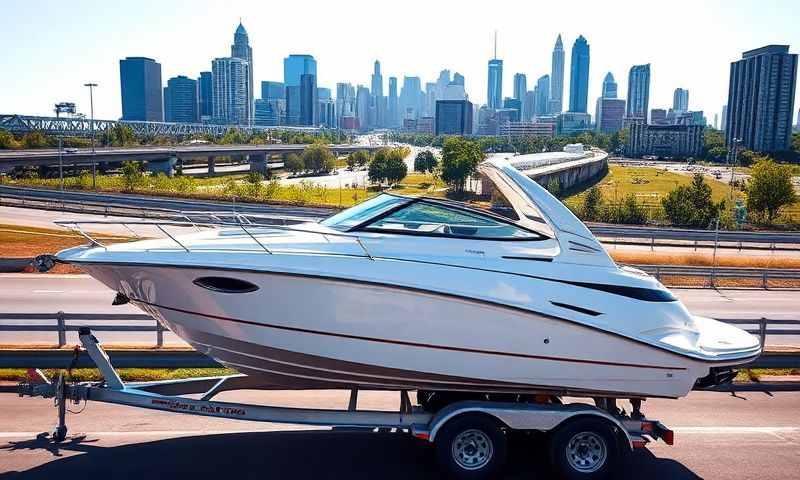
(584, 449)
(471, 446)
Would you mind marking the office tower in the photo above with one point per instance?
(529, 105)
(377, 100)
(308, 99)
(716, 120)
(761, 99)
(608, 114)
(205, 95)
(454, 92)
(393, 105)
(541, 96)
(230, 76)
(638, 91)
(680, 100)
(441, 84)
(411, 98)
(724, 120)
(345, 104)
(579, 76)
(658, 116)
(272, 90)
(556, 104)
(494, 93)
(513, 104)
(241, 49)
(294, 67)
(520, 86)
(609, 87)
(458, 79)
(140, 85)
(180, 100)
(362, 107)
(453, 117)
(377, 80)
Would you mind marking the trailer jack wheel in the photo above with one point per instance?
(60, 433)
(471, 447)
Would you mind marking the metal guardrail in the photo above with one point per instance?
(61, 323)
(762, 276)
(692, 235)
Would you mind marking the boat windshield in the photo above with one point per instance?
(375, 206)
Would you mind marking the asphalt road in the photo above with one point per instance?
(718, 436)
(83, 294)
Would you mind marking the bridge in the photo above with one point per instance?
(82, 127)
(162, 159)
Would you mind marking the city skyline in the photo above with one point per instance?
(704, 71)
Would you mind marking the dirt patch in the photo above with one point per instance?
(703, 260)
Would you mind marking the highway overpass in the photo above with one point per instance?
(161, 159)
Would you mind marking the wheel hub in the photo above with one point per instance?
(472, 449)
(586, 452)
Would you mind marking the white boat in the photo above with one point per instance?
(421, 293)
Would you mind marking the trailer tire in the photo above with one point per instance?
(584, 449)
(471, 447)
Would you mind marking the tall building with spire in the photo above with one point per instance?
(556, 103)
(609, 87)
(377, 100)
(241, 49)
(579, 76)
(393, 110)
(680, 100)
(494, 91)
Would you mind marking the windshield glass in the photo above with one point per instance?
(362, 212)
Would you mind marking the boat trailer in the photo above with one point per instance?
(469, 436)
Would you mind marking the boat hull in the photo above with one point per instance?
(303, 331)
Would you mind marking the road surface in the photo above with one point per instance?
(83, 294)
(718, 436)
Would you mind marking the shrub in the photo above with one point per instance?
(294, 163)
(554, 187)
(770, 188)
(132, 176)
(691, 205)
(592, 204)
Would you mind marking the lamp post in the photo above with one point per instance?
(735, 147)
(91, 113)
(62, 107)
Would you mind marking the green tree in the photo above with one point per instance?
(120, 136)
(34, 139)
(592, 204)
(388, 166)
(425, 161)
(294, 163)
(770, 188)
(132, 176)
(8, 141)
(357, 159)
(691, 205)
(554, 187)
(460, 158)
(318, 158)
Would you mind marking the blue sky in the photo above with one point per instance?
(51, 48)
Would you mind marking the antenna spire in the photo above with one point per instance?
(495, 44)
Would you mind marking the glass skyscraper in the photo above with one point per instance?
(638, 91)
(494, 94)
(579, 76)
(206, 96)
(140, 84)
(241, 49)
(180, 100)
(556, 103)
(609, 87)
(294, 67)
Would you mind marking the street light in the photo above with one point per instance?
(91, 113)
(62, 107)
(735, 147)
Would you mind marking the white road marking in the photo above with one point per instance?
(280, 427)
(50, 291)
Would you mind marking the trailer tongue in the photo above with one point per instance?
(470, 437)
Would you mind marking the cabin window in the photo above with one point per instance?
(424, 218)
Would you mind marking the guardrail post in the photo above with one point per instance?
(762, 331)
(652, 243)
(764, 279)
(658, 273)
(62, 329)
(159, 335)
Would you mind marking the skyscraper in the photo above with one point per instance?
(362, 107)
(494, 91)
(520, 86)
(638, 91)
(206, 96)
(724, 121)
(680, 100)
(377, 80)
(458, 79)
(608, 114)
(272, 90)
(542, 96)
(761, 99)
(308, 99)
(453, 117)
(410, 98)
(556, 104)
(140, 84)
(609, 87)
(345, 104)
(393, 107)
(579, 76)
(294, 67)
(241, 49)
(377, 100)
(180, 100)
(230, 76)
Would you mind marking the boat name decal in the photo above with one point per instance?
(207, 409)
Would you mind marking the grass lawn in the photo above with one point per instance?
(648, 184)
